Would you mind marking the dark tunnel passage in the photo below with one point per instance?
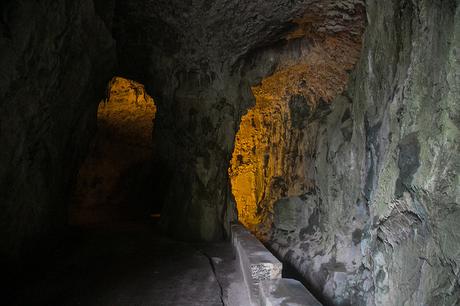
(115, 181)
(247, 143)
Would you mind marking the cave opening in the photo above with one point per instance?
(329, 129)
(114, 182)
(275, 174)
(276, 144)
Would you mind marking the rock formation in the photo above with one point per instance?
(352, 162)
(372, 223)
(274, 147)
(56, 59)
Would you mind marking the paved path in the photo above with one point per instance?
(133, 265)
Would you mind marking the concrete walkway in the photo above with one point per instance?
(133, 265)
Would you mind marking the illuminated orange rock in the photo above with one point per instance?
(128, 112)
(273, 145)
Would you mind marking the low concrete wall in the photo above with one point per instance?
(262, 273)
(256, 262)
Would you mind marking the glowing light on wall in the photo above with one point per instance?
(272, 148)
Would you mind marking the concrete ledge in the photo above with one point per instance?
(285, 292)
(262, 273)
(255, 261)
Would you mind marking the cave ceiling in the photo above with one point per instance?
(202, 32)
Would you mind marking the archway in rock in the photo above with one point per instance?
(375, 221)
(275, 147)
(115, 181)
(274, 173)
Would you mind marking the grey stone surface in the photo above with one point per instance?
(263, 273)
(381, 224)
(292, 213)
(130, 265)
(386, 168)
(285, 292)
(228, 272)
(200, 59)
(255, 261)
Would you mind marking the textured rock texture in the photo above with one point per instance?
(115, 181)
(200, 59)
(55, 58)
(274, 146)
(356, 186)
(380, 224)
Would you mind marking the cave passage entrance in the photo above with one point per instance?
(114, 183)
(275, 148)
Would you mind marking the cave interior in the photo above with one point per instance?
(135, 134)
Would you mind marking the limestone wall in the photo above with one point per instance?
(354, 185)
(56, 58)
(378, 227)
(275, 145)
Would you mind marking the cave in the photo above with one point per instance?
(230, 152)
(114, 181)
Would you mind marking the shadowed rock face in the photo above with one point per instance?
(377, 227)
(205, 32)
(56, 58)
(202, 58)
(192, 55)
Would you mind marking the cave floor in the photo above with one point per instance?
(133, 265)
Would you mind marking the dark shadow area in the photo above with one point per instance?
(113, 252)
(112, 239)
(115, 182)
(125, 265)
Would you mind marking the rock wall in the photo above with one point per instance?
(55, 58)
(189, 55)
(200, 59)
(365, 201)
(274, 146)
(379, 227)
